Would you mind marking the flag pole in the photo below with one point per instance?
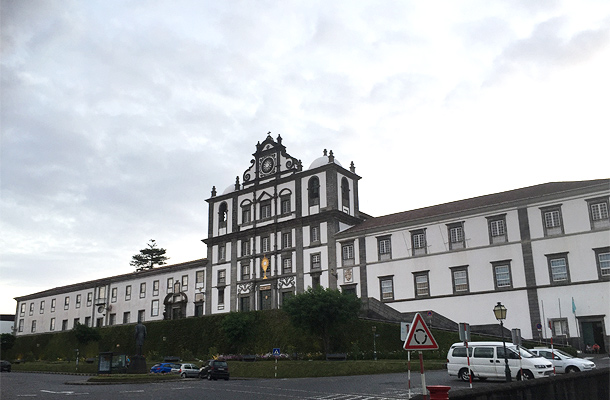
(576, 320)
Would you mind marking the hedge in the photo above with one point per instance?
(203, 337)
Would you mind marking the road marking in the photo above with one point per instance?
(132, 391)
(68, 392)
(50, 391)
(306, 394)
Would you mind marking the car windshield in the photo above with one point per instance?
(561, 353)
(524, 352)
(220, 364)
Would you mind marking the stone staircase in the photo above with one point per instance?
(376, 310)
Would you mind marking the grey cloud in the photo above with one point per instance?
(118, 117)
(545, 49)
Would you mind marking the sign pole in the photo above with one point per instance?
(276, 353)
(420, 338)
(469, 371)
(423, 375)
(465, 337)
(409, 371)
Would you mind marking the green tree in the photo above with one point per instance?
(7, 341)
(236, 327)
(149, 257)
(322, 312)
(85, 334)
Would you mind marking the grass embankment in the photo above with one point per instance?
(241, 369)
(307, 369)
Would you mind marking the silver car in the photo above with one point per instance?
(563, 362)
(186, 370)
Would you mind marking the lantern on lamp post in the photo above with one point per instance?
(500, 313)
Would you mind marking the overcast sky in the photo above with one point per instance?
(118, 117)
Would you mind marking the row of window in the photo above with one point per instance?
(551, 217)
(265, 208)
(265, 243)
(558, 266)
(99, 322)
(558, 269)
(286, 263)
(172, 287)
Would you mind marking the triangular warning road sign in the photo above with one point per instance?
(420, 337)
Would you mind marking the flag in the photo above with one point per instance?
(573, 306)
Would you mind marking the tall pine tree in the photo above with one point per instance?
(149, 257)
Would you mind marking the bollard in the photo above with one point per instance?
(439, 392)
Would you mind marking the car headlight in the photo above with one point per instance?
(542, 366)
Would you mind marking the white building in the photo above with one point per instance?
(168, 292)
(543, 251)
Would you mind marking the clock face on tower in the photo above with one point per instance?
(267, 165)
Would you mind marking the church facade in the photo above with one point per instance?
(543, 251)
(274, 234)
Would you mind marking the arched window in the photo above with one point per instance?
(345, 193)
(246, 212)
(313, 188)
(222, 215)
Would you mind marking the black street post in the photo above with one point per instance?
(500, 313)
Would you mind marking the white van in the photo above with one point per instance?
(487, 361)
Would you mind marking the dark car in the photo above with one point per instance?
(162, 368)
(214, 369)
(5, 366)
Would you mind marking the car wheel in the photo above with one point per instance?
(463, 375)
(572, 369)
(525, 376)
(227, 378)
(183, 375)
(209, 376)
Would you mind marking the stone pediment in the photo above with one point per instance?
(270, 161)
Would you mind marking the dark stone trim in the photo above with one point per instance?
(364, 290)
(299, 260)
(530, 273)
(332, 187)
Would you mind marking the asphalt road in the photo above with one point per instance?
(21, 385)
(18, 385)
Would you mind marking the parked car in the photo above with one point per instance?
(186, 370)
(162, 368)
(487, 361)
(563, 362)
(5, 366)
(214, 369)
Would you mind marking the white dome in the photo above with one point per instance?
(229, 189)
(318, 162)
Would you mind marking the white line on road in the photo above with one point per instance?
(67, 392)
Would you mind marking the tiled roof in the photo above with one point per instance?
(490, 200)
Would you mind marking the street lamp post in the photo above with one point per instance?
(500, 313)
